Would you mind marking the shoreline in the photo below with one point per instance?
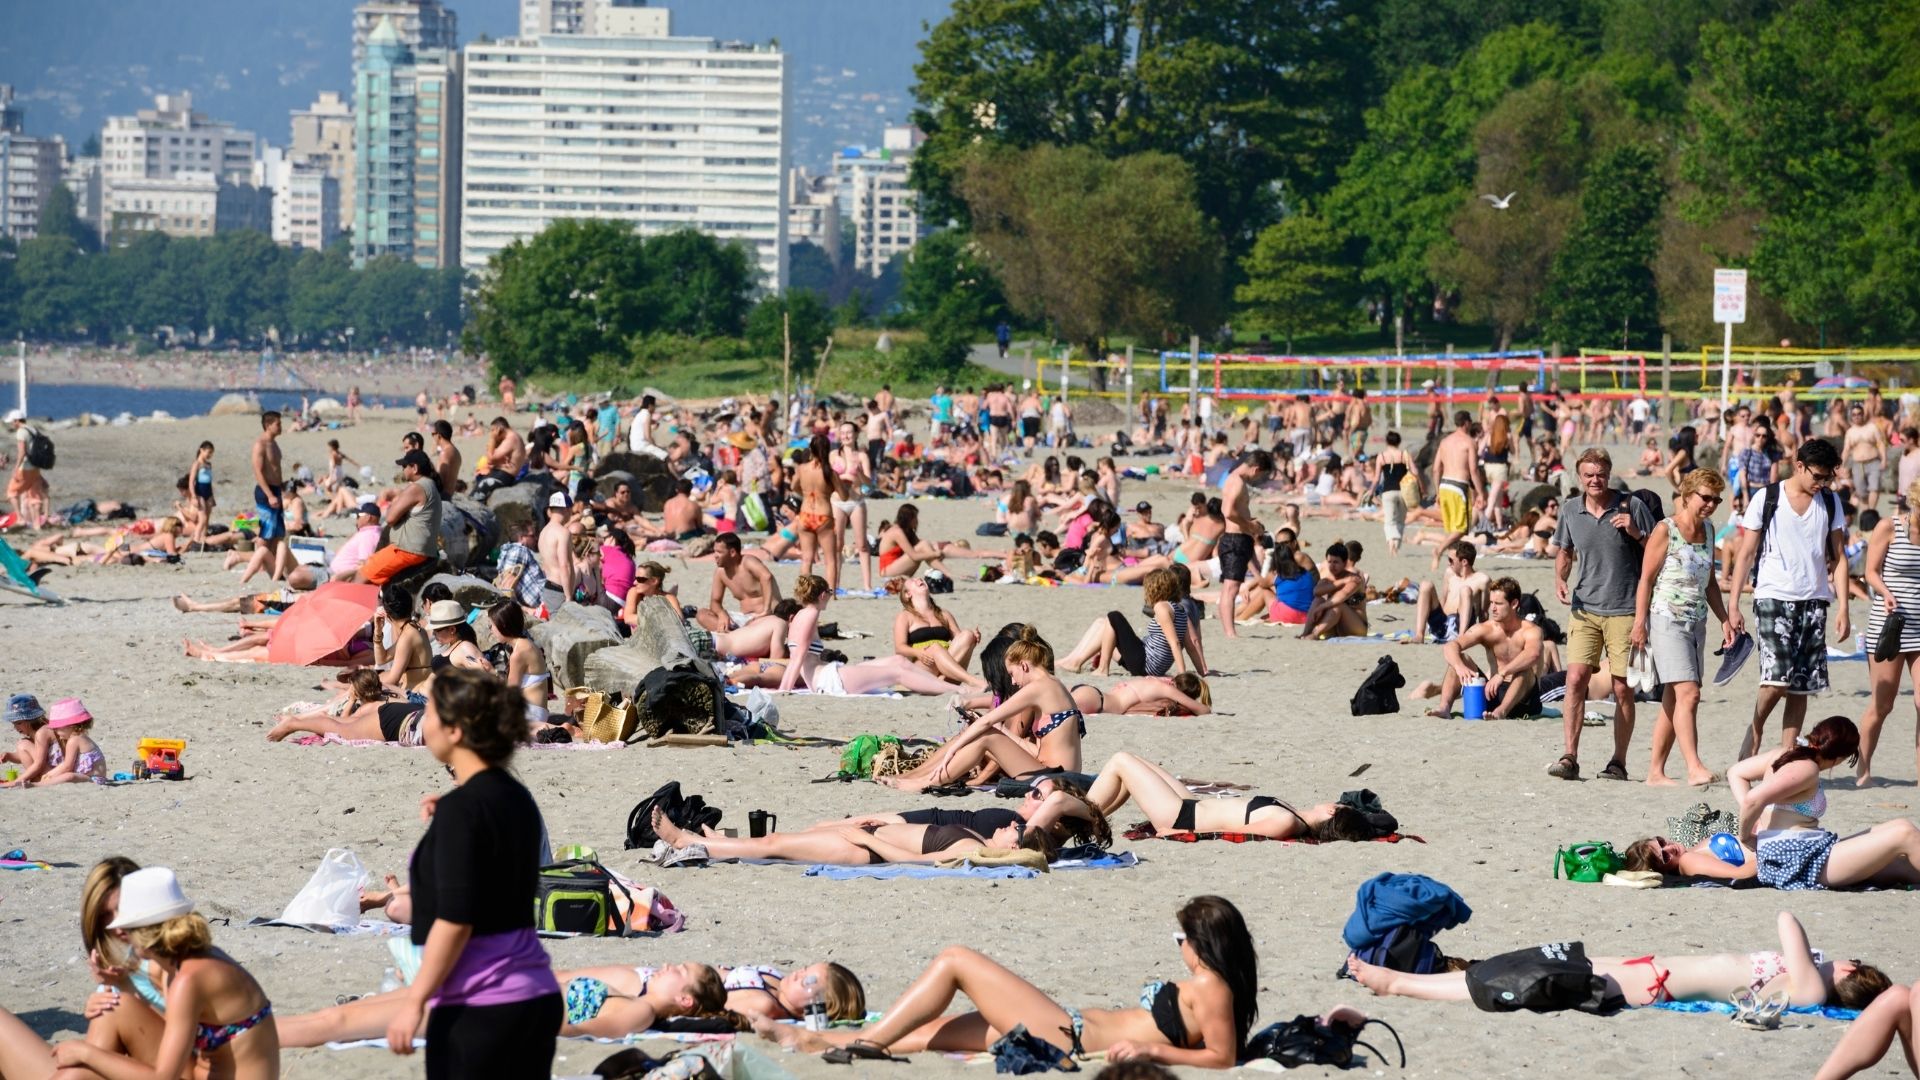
(393, 375)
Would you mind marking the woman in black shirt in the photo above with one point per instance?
(495, 1003)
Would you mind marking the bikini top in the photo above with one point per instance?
(212, 1037)
(1162, 999)
(1054, 720)
(928, 635)
(1814, 807)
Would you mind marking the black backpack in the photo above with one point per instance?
(40, 450)
(1549, 978)
(690, 813)
(1770, 505)
(1376, 694)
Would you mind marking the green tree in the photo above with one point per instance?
(51, 275)
(695, 285)
(320, 295)
(60, 216)
(551, 302)
(246, 284)
(811, 325)
(809, 268)
(1601, 289)
(9, 290)
(1098, 246)
(951, 295)
(1297, 279)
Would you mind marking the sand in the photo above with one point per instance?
(246, 830)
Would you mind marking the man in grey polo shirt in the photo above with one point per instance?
(1607, 531)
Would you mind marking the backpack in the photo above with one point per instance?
(576, 897)
(690, 813)
(1770, 505)
(1305, 1040)
(1587, 862)
(39, 450)
(1546, 978)
(1376, 694)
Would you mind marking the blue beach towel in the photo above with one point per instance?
(1831, 1012)
(1108, 861)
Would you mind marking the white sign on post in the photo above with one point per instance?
(1729, 307)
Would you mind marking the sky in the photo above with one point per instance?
(75, 62)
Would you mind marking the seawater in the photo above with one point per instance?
(60, 401)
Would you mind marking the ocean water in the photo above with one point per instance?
(62, 400)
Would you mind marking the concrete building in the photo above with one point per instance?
(306, 200)
(323, 135)
(813, 211)
(407, 130)
(593, 18)
(421, 24)
(664, 132)
(872, 185)
(166, 142)
(30, 167)
(186, 204)
(85, 178)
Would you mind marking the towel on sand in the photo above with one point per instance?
(972, 868)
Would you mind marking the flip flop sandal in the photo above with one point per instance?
(1614, 771)
(858, 1050)
(1565, 769)
(1756, 1014)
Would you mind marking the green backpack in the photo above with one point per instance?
(856, 761)
(576, 897)
(1587, 862)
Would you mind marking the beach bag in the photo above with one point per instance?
(1699, 822)
(1888, 645)
(753, 509)
(856, 760)
(604, 718)
(39, 450)
(1587, 862)
(331, 897)
(896, 760)
(1547, 978)
(937, 582)
(1022, 1053)
(576, 897)
(1305, 1040)
(1376, 695)
(689, 812)
(673, 701)
(1410, 489)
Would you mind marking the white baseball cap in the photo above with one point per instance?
(15, 414)
(557, 501)
(149, 897)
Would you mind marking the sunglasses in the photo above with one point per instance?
(1179, 939)
(642, 577)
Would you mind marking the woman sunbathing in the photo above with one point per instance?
(764, 636)
(1170, 807)
(930, 636)
(843, 680)
(353, 715)
(1202, 1020)
(1056, 736)
(861, 845)
(1186, 694)
(1797, 971)
(1783, 845)
(1053, 803)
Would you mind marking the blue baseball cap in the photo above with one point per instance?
(24, 707)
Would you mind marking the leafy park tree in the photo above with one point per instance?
(1097, 246)
(805, 317)
(1297, 278)
(1601, 290)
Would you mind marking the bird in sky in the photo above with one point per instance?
(1498, 203)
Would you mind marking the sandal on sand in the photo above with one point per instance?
(1565, 769)
(1753, 1012)
(1615, 770)
(858, 1050)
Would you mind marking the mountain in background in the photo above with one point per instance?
(73, 63)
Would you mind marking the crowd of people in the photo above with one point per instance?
(626, 494)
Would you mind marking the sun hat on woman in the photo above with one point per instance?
(445, 613)
(149, 897)
(67, 712)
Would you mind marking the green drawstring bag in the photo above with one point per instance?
(856, 761)
(1587, 862)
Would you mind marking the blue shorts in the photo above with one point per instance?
(273, 520)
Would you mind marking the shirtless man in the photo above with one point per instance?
(1339, 598)
(1513, 650)
(1358, 417)
(999, 420)
(556, 550)
(749, 580)
(270, 551)
(1298, 419)
(1739, 438)
(680, 517)
(619, 507)
(506, 454)
(878, 426)
(884, 399)
(1865, 452)
(1236, 544)
(1456, 471)
(446, 463)
(1459, 600)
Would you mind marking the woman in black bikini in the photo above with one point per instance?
(1057, 726)
(1202, 1020)
(1053, 803)
(930, 636)
(1167, 804)
(1186, 694)
(856, 845)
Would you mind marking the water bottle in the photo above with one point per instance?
(815, 1017)
(391, 981)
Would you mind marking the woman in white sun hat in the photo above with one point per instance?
(211, 1007)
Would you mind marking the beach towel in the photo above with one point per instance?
(859, 594)
(374, 927)
(1831, 1012)
(1368, 639)
(330, 739)
(1145, 831)
(17, 860)
(918, 870)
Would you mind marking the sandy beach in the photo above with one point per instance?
(247, 828)
(329, 373)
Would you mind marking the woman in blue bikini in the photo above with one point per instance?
(1055, 735)
(1202, 1020)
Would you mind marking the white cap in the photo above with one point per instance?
(150, 897)
(557, 501)
(15, 414)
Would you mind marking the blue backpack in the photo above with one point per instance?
(1394, 920)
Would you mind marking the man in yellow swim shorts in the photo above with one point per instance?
(1457, 481)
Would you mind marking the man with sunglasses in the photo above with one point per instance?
(1795, 532)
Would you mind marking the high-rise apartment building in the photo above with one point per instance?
(140, 153)
(421, 24)
(30, 167)
(875, 195)
(83, 177)
(813, 211)
(593, 18)
(406, 176)
(306, 200)
(323, 136)
(664, 132)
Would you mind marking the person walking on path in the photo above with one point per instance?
(1605, 531)
(1677, 588)
(1795, 533)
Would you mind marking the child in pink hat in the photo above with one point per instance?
(73, 757)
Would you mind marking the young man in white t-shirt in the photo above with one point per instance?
(640, 438)
(1802, 569)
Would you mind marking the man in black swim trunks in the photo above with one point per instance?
(1236, 544)
(1514, 649)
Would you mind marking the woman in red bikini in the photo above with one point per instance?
(819, 486)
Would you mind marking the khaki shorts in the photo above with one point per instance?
(1592, 635)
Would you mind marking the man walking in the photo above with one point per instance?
(1606, 530)
(270, 551)
(1796, 532)
(1236, 551)
(1456, 472)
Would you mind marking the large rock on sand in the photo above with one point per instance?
(471, 591)
(482, 527)
(652, 483)
(620, 668)
(234, 405)
(522, 504)
(570, 636)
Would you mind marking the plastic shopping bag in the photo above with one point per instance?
(332, 896)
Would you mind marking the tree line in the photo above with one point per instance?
(1155, 167)
(232, 287)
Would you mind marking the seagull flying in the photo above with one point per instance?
(1500, 204)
